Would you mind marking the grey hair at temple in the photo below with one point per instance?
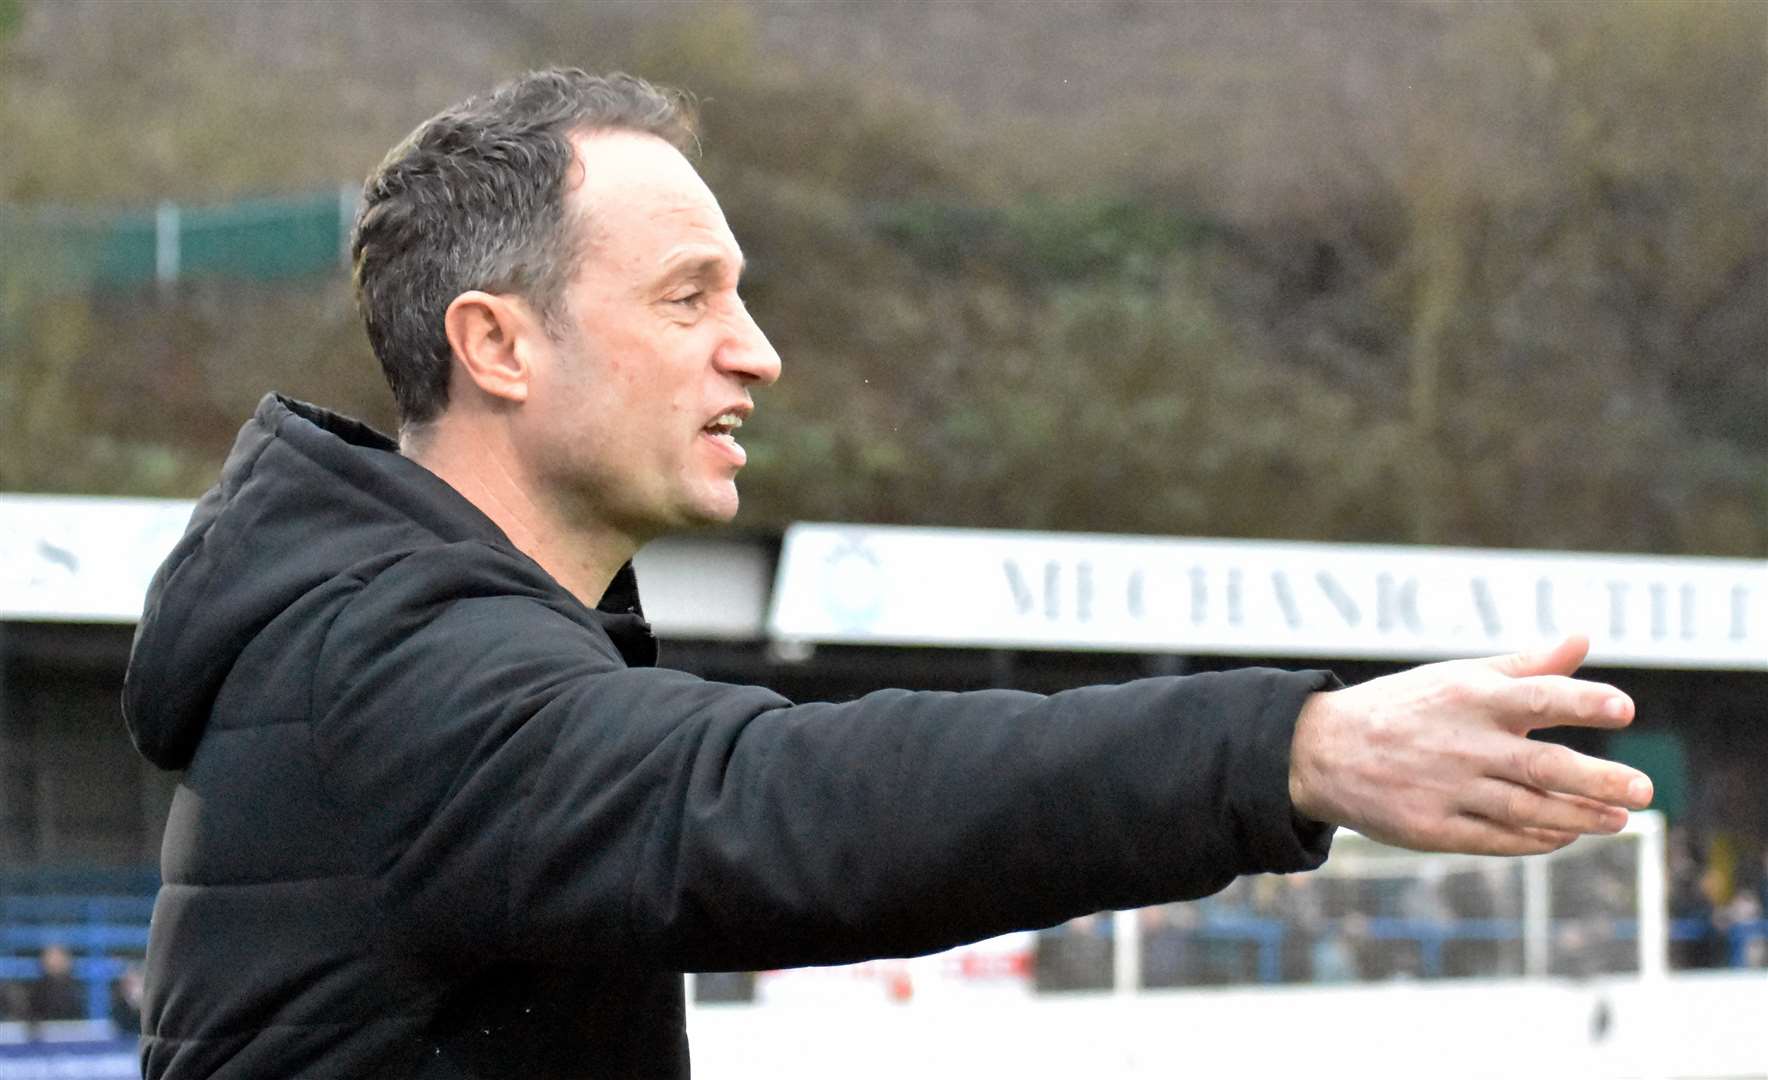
(475, 199)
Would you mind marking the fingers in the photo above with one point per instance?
(1513, 805)
(1546, 767)
(1473, 835)
(1552, 840)
(1561, 659)
(1540, 701)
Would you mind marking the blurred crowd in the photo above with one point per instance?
(1438, 920)
(57, 993)
(1443, 921)
(1720, 897)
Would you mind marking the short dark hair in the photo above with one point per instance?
(475, 199)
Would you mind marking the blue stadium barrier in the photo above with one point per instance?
(97, 972)
(98, 881)
(1741, 936)
(92, 927)
(54, 907)
(1267, 934)
(89, 937)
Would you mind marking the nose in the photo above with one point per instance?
(747, 353)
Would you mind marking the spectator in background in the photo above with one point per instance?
(1714, 950)
(1074, 956)
(1689, 903)
(1228, 958)
(1338, 956)
(1169, 956)
(1756, 951)
(1738, 915)
(125, 1000)
(1762, 879)
(1296, 901)
(1471, 896)
(56, 994)
(13, 1001)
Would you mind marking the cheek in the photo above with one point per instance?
(657, 384)
(644, 376)
(643, 395)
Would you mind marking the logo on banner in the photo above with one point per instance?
(854, 585)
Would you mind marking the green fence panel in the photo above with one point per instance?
(1662, 756)
(121, 251)
(78, 250)
(262, 239)
(255, 239)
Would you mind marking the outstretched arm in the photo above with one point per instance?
(1438, 758)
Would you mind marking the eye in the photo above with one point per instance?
(691, 299)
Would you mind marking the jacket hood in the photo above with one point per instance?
(304, 496)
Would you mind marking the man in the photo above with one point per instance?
(56, 994)
(440, 815)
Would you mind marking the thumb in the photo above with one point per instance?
(1561, 659)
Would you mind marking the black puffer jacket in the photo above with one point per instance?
(438, 819)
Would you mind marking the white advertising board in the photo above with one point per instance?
(921, 586)
(66, 558)
(70, 559)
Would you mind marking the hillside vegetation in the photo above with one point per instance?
(1487, 274)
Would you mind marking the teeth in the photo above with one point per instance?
(725, 423)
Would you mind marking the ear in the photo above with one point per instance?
(488, 334)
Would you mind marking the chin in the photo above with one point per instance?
(720, 516)
(716, 509)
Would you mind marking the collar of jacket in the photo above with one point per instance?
(619, 612)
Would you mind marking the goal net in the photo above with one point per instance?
(1377, 913)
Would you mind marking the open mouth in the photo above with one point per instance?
(725, 424)
(722, 431)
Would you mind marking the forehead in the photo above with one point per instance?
(644, 200)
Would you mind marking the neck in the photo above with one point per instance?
(478, 461)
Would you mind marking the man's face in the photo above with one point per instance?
(56, 961)
(630, 417)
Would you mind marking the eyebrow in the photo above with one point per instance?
(698, 264)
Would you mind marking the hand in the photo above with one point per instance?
(1438, 759)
